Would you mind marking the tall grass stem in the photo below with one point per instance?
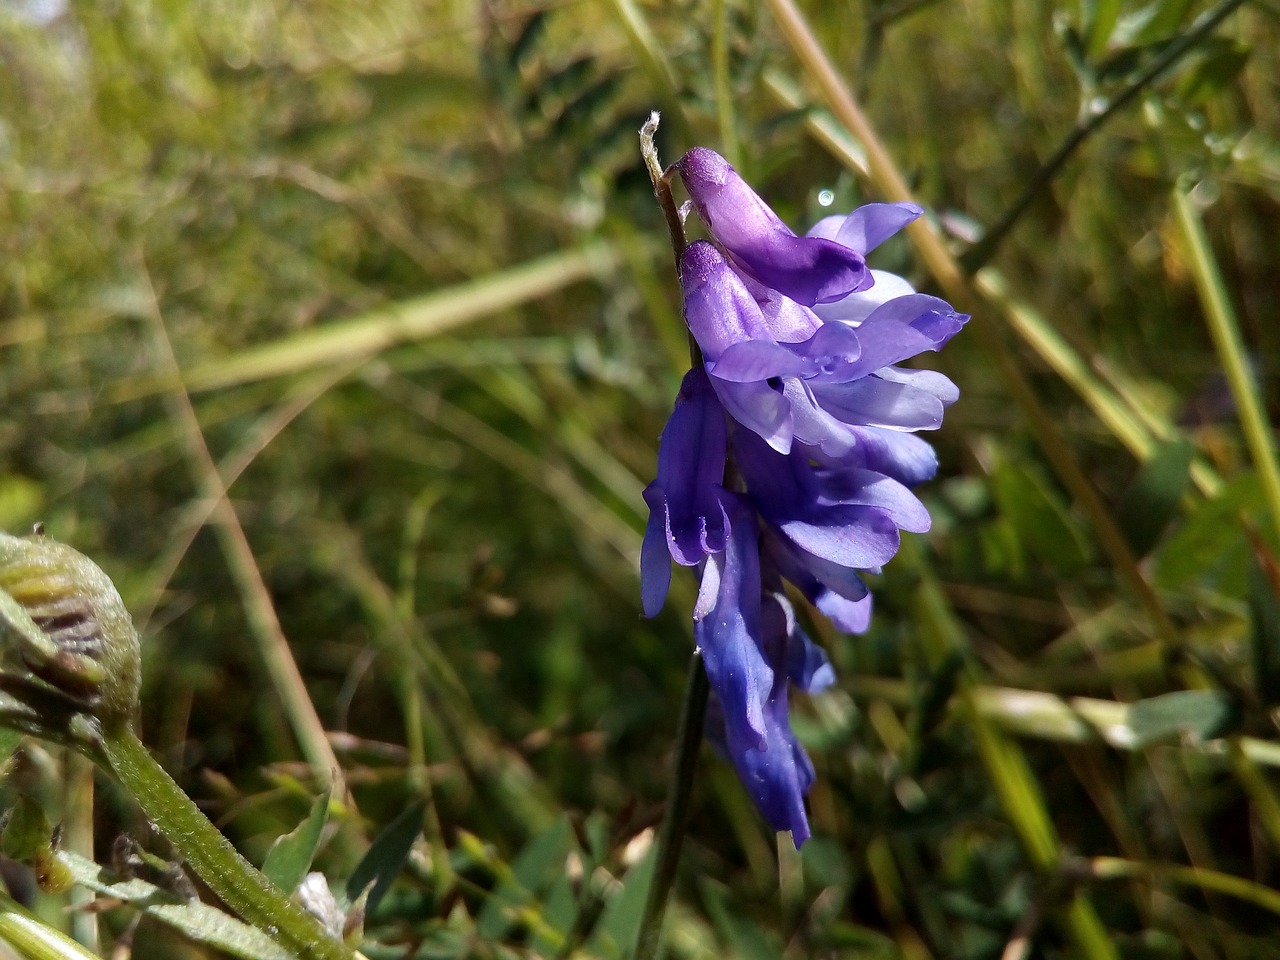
(1224, 330)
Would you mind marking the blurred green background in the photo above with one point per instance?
(352, 327)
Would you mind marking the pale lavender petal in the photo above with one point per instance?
(929, 381)
(849, 536)
(815, 427)
(870, 489)
(903, 456)
(760, 408)
(880, 403)
(851, 616)
(870, 225)
(858, 305)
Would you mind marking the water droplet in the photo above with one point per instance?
(826, 198)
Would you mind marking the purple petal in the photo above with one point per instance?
(806, 269)
(900, 329)
(778, 775)
(851, 616)
(871, 225)
(727, 624)
(655, 565)
(755, 360)
(903, 456)
(868, 226)
(717, 306)
(685, 510)
(832, 350)
(870, 489)
(845, 535)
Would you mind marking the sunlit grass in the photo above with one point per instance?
(413, 277)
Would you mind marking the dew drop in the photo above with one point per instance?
(826, 198)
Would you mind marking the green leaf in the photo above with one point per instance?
(1040, 520)
(745, 939)
(1152, 500)
(9, 741)
(290, 857)
(1155, 22)
(1209, 540)
(1101, 24)
(532, 872)
(1215, 67)
(1202, 714)
(619, 925)
(199, 921)
(386, 856)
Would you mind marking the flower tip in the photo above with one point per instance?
(699, 259)
(702, 167)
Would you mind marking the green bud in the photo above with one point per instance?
(63, 619)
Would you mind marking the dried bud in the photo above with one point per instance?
(62, 619)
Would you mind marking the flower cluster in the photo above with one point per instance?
(799, 388)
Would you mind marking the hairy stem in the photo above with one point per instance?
(243, 888)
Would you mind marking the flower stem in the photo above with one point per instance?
(688, 739)
(243, 888)
(982, 251)
(662, 186)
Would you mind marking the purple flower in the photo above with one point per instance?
(801, 386)
(688, 518)
(809, 270)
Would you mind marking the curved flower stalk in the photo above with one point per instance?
(71, 672)
(801, 388)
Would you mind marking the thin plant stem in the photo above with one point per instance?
(1225, 333)
(273, 646)
(982, 251)
(1108, 868)
(211, 855)
(662, 187)
(671, 836)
